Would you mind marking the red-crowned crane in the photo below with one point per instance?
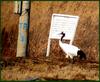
(71, 50)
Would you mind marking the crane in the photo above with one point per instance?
(71, 50)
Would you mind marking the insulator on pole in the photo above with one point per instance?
(18, 7)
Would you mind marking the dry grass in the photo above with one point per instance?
(86, 37)
(29, 71)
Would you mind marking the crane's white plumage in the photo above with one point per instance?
(71, 50)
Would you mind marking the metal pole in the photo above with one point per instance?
(23, 29)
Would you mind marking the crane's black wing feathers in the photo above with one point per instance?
(81, 54)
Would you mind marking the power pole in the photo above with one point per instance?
(23, 30)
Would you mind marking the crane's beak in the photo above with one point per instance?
(60, 33)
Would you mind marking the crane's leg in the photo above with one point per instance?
(72, 59)
(71, 56)
(67, 56)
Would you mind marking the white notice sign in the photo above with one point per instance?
(63, 23)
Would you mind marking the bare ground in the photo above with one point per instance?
(51, 70)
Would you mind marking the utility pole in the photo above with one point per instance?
(23, 29)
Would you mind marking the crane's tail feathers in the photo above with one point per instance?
(81, 54)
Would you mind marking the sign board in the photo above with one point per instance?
(62, 23)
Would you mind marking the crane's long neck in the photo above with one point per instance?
(62, 37)
(61, 40)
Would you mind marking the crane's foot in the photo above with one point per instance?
(72, 61)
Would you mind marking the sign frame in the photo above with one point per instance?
(56, 37)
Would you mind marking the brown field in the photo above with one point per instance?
(36, 65)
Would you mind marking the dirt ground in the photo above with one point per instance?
(29, 69)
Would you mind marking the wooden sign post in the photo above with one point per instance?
(62, 23)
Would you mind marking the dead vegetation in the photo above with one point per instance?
(41, 11)
(30, 70)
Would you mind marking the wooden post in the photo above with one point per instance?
(23, 29)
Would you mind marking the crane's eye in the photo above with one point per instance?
(62, 33)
